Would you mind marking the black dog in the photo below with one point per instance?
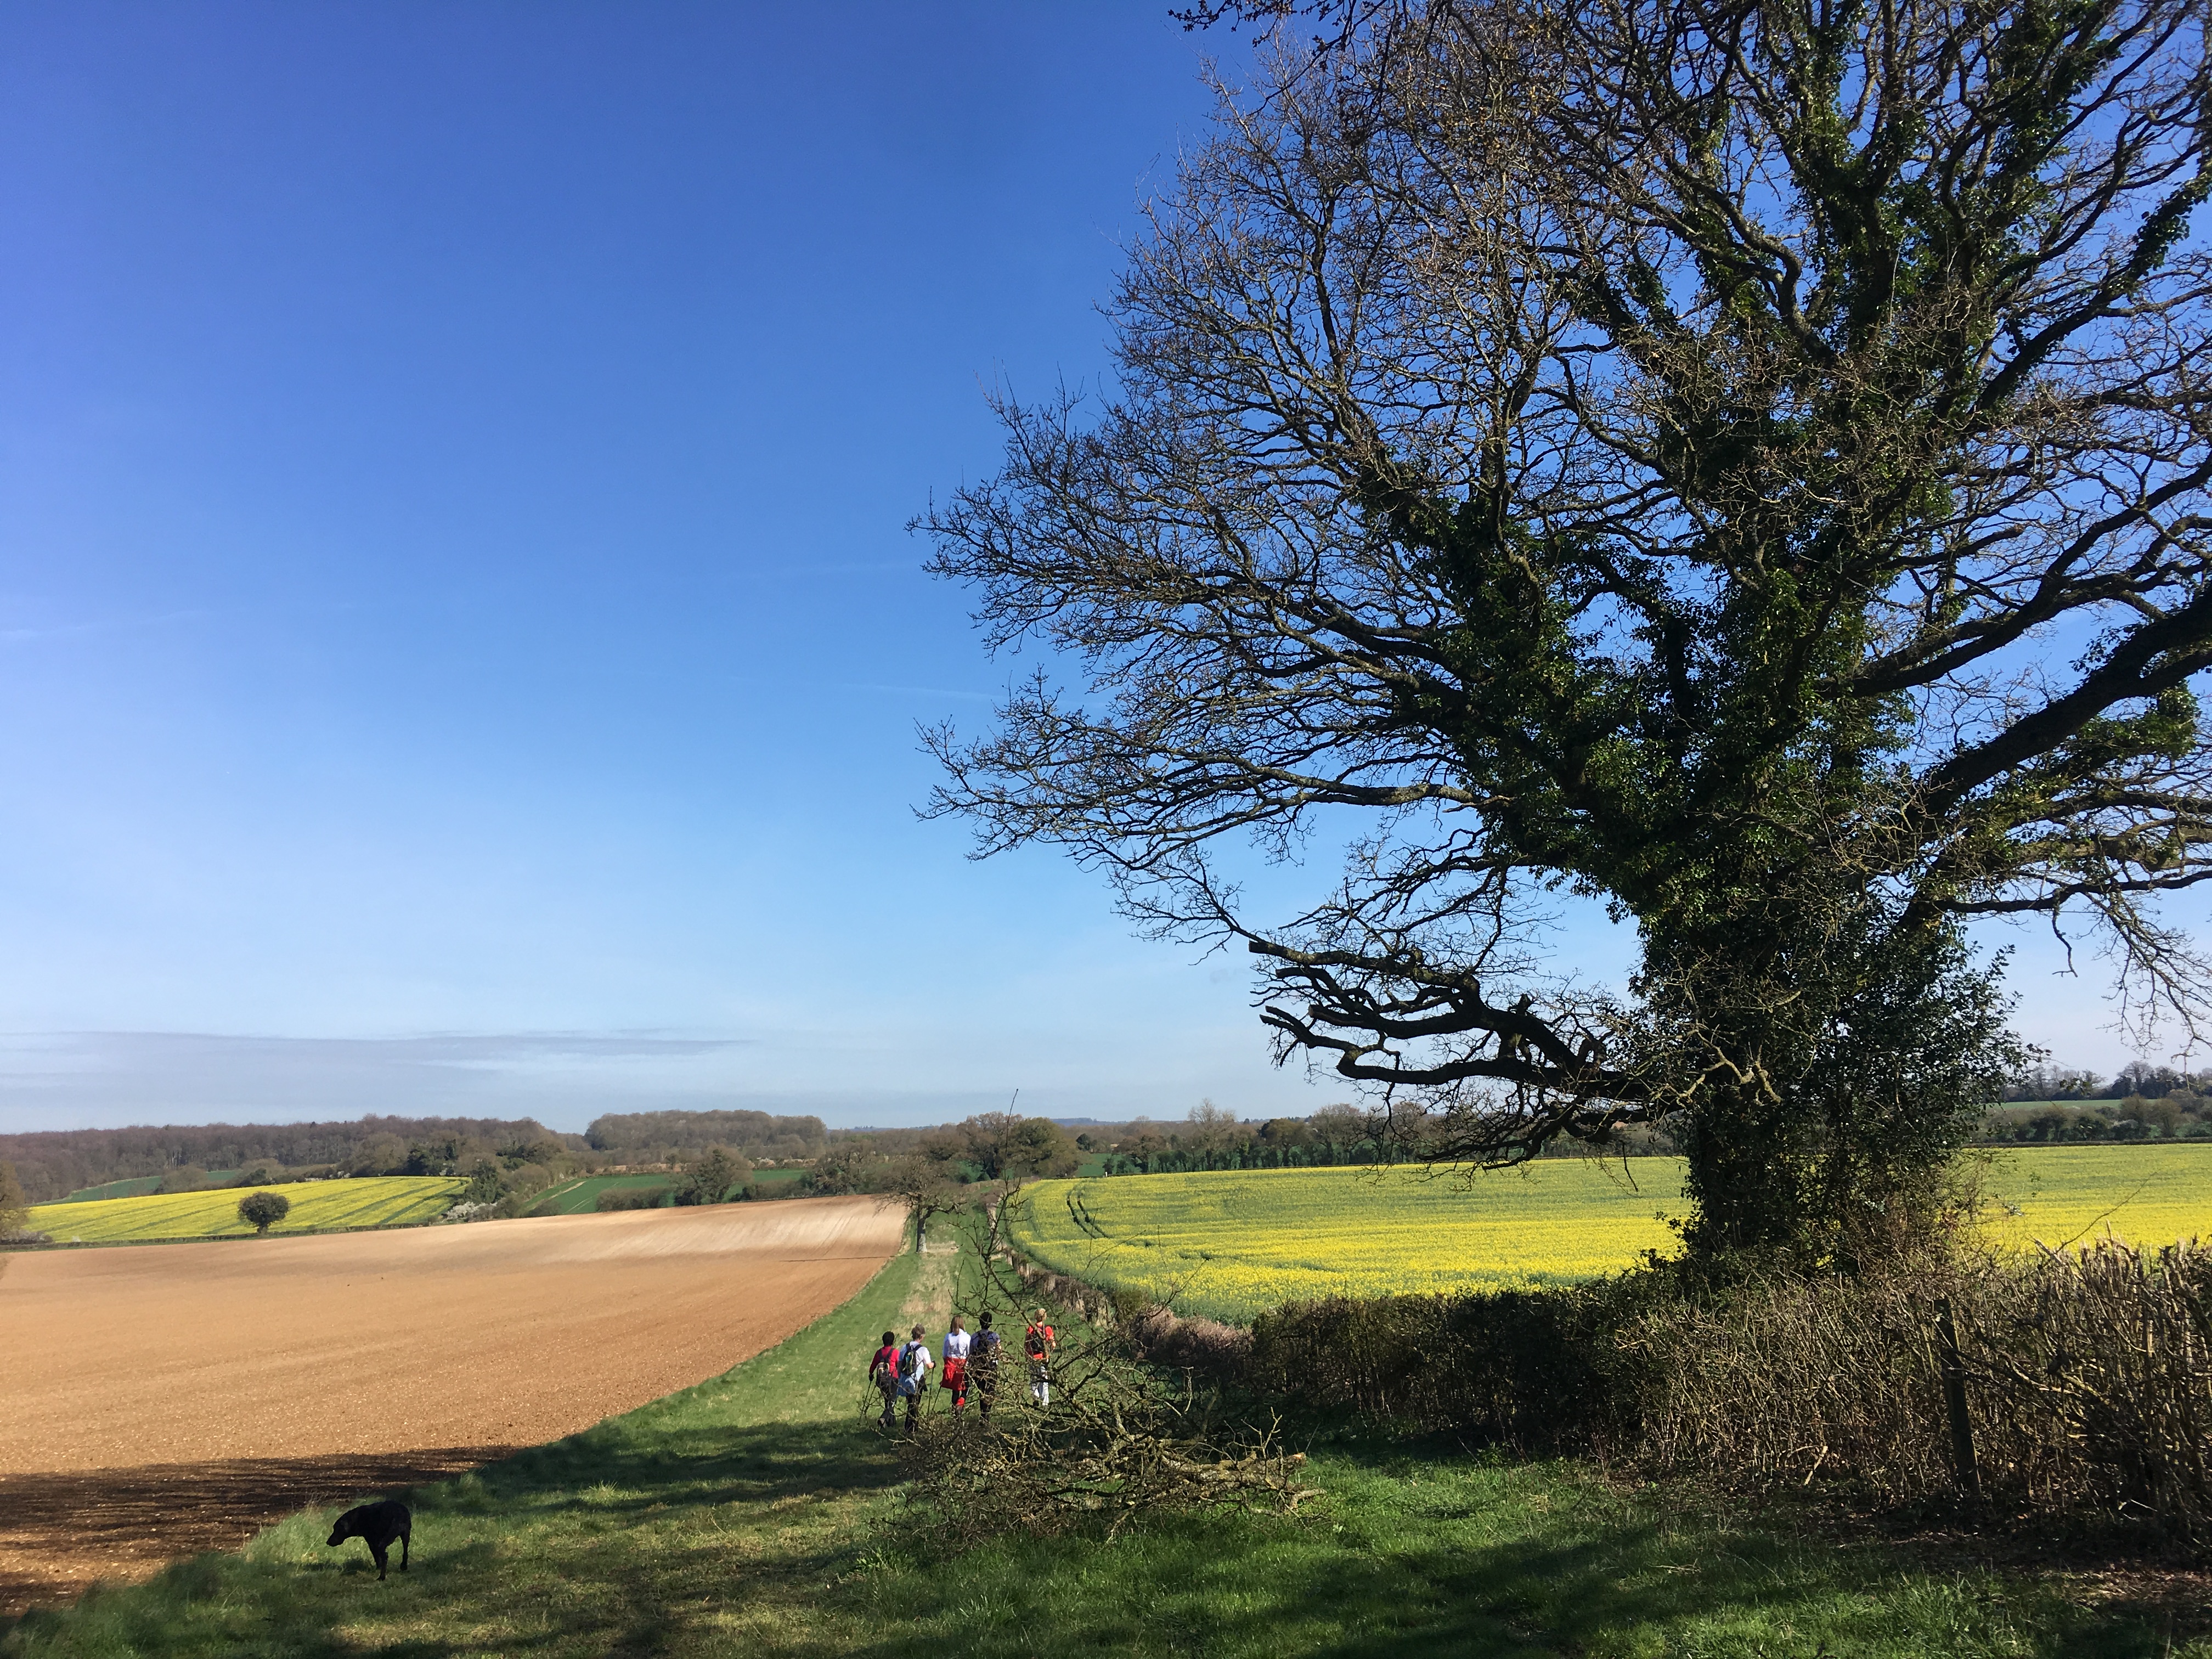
(377, 1525)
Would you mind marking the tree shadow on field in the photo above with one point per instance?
(1411, 1556)
(60, 1531)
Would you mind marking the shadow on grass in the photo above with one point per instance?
(60, 1531)
(681, 1536)
(610, 1542)
(1449, 1555)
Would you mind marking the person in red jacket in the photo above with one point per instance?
(1037, 1343)
(882, 1371)
(953, 1378)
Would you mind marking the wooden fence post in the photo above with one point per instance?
(1954, 1400)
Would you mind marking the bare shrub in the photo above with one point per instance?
(1219, 1353)
(2087, 1377)
(2089, 1383)
(1120, 1434)
(1117, 1440)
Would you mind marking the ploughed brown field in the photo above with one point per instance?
(160, 1400)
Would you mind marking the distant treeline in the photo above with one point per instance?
(2176, 1116)
(2139, 1080)
(511, 1160)
(659, 1136)
(54, 1164)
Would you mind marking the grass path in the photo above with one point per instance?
(755, 1515)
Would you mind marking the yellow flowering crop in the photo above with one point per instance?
(2061, 1196)
(367, 1201)
(1235, 1242)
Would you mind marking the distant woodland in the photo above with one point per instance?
(53, 1163)
(758, 1136)
(515, 1159)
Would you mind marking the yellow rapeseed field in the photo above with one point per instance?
(2064, 1195)
(1232, 1243)
(367, 1201)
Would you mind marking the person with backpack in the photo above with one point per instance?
(882, 1371)
(983, 1360)
(953, 1379)
(914, 1363)
(1037, 1343)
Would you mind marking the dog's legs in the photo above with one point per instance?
(378, 1550)
(406, 1544)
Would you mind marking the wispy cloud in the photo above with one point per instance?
(102, 625)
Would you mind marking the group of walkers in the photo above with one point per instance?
(899, 1370)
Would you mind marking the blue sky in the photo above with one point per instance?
(459, 646)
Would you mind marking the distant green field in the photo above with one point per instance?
(133, 1186)
(582, 1197)
(370, 1202)
(1235, 1242)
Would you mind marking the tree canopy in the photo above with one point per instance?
(15, 1213)
(1743, 463)
(263, 1209)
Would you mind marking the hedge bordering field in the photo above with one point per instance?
(2087, 1380)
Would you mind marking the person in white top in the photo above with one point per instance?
(913, 1365)
(955, 1377)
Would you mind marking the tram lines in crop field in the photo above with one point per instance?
(362, 1201)
(1232, 1243)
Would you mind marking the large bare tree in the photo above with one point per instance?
(1745, 463)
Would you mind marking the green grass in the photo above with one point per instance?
(581, 1197)
(1233, 1243)
(756, 1514)
(317, 1206)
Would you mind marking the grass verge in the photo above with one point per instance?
(757, 1514)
